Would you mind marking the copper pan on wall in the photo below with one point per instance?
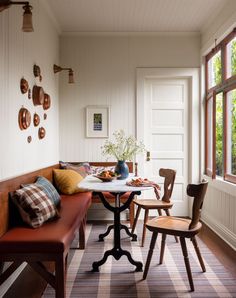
(38, 95)
(24, 86)
(41, 133)
(46, 102)
(36, 119)
(24, 118)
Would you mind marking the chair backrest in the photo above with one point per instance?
(169, 181)
(197, 191)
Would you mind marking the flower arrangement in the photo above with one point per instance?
(123, 147)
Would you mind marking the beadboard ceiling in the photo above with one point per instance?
(134, 15)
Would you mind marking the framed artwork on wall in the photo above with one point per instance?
(97, 121)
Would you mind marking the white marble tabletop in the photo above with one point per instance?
(94, 184)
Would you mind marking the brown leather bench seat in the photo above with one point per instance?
(53, 236)
(50, 242)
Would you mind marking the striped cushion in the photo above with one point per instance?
(67, 181)
(83, 168)
(49, 189)
(34, 205)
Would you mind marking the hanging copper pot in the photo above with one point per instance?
(47, 101)
(36, 119)
(38, 95)
(24, 118)
(24, 86)
(41, 133)
(37, 72)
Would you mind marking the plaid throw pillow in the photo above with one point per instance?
(34, 205)
(49, 189)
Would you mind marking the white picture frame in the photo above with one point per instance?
(97, 121)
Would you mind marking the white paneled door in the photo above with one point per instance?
(162, 123)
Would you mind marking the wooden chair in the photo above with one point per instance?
(149, 204)
(181, 227)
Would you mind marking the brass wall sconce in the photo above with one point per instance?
(57, 68)
(27, 15)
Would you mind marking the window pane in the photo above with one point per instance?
(219, 134)
(214, 70)
(209, 133)
(231, 132)
(231, 58)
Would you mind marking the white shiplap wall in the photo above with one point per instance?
(18, 53)
(105, 74)
(220, 203)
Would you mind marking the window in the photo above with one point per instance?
(214, 70)
(231, 135)
(221, 110)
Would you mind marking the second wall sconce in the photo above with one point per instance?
(27, 15)
(57, 68)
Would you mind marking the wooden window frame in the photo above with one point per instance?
(227, 176)
(226, 85)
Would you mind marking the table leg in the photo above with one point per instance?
(102, 236)
(133, 236)
(117, 252)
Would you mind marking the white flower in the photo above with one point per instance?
(122, 148)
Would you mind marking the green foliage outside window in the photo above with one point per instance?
(233, 133)
(233, 57)
(219, 115)
(219, 134)
(217, 68)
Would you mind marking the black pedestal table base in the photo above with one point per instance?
(117, 252)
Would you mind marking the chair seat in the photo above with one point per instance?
(155, 204)
(173, 226)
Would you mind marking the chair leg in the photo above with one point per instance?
(136, 219)
(150, 252)
(144, 226)
(194, 240)
(186, 260)
(168, 214)
(131, 214)
(163, 242)
(159, 212)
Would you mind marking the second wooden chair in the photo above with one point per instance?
(181, 227)
(156, 204)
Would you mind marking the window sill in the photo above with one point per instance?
(221, 185)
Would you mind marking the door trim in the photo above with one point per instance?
(192, 74)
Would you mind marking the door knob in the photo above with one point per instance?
(148, 157)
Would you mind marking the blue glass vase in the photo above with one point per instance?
(122, 169)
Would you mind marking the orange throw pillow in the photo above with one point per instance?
(67, 181)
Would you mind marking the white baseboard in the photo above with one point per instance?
(223, 232)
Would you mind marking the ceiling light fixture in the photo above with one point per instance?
(27, 15)
(57, 68)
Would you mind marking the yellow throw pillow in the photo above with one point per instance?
(67, 181)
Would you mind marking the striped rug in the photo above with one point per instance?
(117, 279)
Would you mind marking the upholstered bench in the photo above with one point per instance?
(50, 242)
